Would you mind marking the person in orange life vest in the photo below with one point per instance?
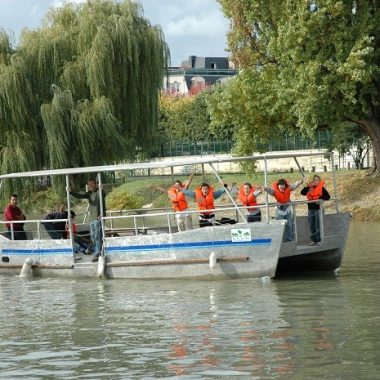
(247, 196)
(179, 204)
(204, 196)
(13, 212)
(315, 191)
(281, 190)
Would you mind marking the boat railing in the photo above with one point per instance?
(32, 228)
(158, 220)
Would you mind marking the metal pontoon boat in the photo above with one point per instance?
(147, 245)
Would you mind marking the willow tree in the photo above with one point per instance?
(304, 64)
(82, 89)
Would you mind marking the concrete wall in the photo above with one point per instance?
(310, 164)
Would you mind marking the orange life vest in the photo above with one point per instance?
(178, 199)
(248, 200)
(315, 192)
(281, 197)
(205, 202)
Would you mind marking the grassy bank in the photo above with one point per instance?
(358, 192)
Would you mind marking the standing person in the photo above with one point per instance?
(281, 190)
(247, 196)
(315, 191)
(56, 230)
(94, 199)
(204, 196)
(179, 204)
(13, 212)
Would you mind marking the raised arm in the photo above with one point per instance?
(188, 183)
(296, 184)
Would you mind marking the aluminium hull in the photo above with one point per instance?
(228, 251)
(327, 257)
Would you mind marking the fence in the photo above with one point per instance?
(284, 142)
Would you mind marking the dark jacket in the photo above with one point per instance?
(96, 202)
(316, 206)
(59, 226)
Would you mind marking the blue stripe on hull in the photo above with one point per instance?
(140, 248)
(41, 252)
(192, 245)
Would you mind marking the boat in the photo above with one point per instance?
(146, 244)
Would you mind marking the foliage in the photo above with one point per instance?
(120, 199)
(45, 201)
(303, 65)
(352, 140)
(82, 89)
(186, 118)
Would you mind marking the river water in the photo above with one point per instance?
(292, 328)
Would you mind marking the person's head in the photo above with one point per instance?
(72, 213)
(205, 188)
(178, 184)
(247, 188)
(13, 200)
(91, 184)
(282, 184)
(316, 180)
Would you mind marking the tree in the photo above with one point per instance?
(186, 118)
(352, 140)
(82, 89)
(304, 64)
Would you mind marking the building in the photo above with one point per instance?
(197, 73)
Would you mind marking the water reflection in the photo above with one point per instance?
(289, 328)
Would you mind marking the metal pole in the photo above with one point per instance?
(334, 182)
(295, 222)
(69, 211)
(169, 223)
(266, 193)
(228, 193)
(299, 167)
(321, 224)
(102, 226)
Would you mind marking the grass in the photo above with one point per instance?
(358, 193)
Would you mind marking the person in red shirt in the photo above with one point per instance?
(13, 212)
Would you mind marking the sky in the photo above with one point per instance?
(191, 27)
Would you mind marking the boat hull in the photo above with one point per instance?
(229, 251)
(298, 257)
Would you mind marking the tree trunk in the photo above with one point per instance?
(372, 128)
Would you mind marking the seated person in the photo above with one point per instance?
(80, 245)
(56, 230)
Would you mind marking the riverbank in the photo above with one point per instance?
(358, 193)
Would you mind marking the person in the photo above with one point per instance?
(204, 196)
(96, 213)
(80, 246)
(315, 191)
(13, 212)
(247, 196)
(281, 190)
(56, 230)
(179, 204)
